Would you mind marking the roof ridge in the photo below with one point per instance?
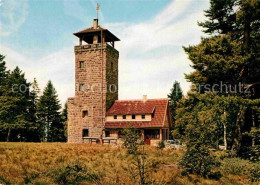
(153, 99)
(92, 27)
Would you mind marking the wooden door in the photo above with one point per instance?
(147, 137)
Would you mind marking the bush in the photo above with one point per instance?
(161, 145)
(250, 153)
(255, 173)
(73, 173)
(198, 160)
(131, 140)
(235, 166)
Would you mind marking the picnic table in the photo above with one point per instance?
(91, 139)
(109, 140)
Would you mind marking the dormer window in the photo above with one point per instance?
(81, 64)
(124, 116)
(115, 116)
(133, 116)
(143, 116)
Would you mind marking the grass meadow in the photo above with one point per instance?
(62, 163)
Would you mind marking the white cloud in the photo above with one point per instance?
(57, 67)
(154, 74)
(150, 55)
(12, 15)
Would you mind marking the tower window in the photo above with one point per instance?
(81, 87)
(115, 116)
(84, 113)
(124, 116)
(81, 64)
(107, 133)
(133, 116)
(112, 65)
(143, 116)
(85, 133)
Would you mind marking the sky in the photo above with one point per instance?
(37, 36)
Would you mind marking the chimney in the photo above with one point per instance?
(95, 25)
(144, 97)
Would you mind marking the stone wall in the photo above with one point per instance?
(111, 76)
(95, 98)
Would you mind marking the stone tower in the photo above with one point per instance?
(96, 83)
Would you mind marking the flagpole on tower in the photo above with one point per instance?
(97, 9)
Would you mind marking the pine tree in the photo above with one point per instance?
(14, 104)
(239, 20)
(217, 59)
(229, 56)
(64, 116)
(221, 17)
(175, 96)
(3, 73)
(33, 132)
(3, 76)
(51, 126)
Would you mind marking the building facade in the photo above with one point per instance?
(95, 112)
(151, 117)
(96, 82)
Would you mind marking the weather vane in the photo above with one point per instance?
(97, 9)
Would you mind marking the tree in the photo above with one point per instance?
(225, 63)
(14, 104)
(199, 160)
(175, 96)
(3, 73)
(219, 60)
(3, 76)
(221, 17)
(138, 167)
(51, 126)
(33, 131)
(238, 19)
(64, 116)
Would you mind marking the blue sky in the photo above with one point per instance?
(37, 36)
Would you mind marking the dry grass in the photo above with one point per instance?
(46, 163)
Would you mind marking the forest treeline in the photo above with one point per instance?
(222, 108)
(26, 114)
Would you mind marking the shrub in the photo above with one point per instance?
(250, 153)
(255, 173)
(161, 145)
(131, 138)
(74, 173)
(198, 160)
(235, 166)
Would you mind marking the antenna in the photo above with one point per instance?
(97, 9)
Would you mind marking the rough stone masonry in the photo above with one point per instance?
(96, 83)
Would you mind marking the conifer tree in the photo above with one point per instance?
(51, 126)
(3, 76)
(239, 20)
(33, 131)
(14, 104)
(3, 73)
(64, 116)
(230, 56)
(175, 96)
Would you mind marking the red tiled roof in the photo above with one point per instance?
(121, 107)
